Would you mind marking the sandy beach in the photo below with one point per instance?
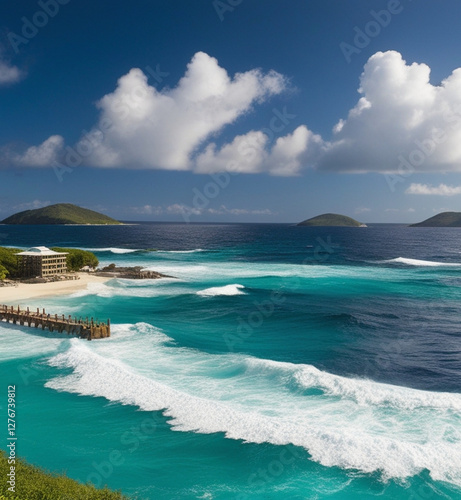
(18, 295)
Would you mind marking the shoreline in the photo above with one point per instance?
(16, 295)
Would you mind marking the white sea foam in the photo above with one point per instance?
(235, 270)
(114, 250)
(140, 250)
(353, 424)
(181, 251)
(422, 263)
(361, 391)
(20, 342)
(145, 288)
(222, 290)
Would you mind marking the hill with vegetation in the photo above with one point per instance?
(445, 219)
(62, 213)
(331, 220)
(33, 482)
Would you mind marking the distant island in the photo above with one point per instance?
(445, 219)
(61, 213)
(331, 220)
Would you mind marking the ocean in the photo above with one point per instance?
(278, 362)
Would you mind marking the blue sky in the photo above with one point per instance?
(235, 111)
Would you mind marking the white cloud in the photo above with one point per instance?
(239, 211)
(31, 205)
(184, 210)
(146, 210)
(251, 153)
(178, 208)
(43, 155)
(142, 127)
(285, 156)
(245, 154)
(9, 209)
(9, 74)
(401, 122)
(400, 115)
(362, 210)
(440, 190)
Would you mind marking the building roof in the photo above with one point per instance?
(41, 251)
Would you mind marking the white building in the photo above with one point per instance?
(41, 262)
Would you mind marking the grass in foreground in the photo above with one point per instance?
(33, 483)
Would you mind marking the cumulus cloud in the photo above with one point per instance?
(251, 153)
(142, 127)
(245, 154)
(400, 119)
(9, 74)
(440, 190)
(43, 155)
(401, 122)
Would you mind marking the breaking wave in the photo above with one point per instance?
(344, 422)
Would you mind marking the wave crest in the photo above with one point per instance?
(349, 423)
(229, 290)
(419, 262)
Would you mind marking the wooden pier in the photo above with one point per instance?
(85, 329)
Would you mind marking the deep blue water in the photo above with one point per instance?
(279, 362)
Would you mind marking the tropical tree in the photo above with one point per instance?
(3, 272)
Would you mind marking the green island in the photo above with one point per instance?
(61, 213)
(332, 220)
(33, 482)
(444, 219)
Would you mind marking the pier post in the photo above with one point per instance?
(90, 328)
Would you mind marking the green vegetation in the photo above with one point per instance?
(35, 483)
(76, 258)
(331, 220)
(62, 213)
(3, 272)
(445, 219)
(8, 262)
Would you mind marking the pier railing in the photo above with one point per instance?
(84, 328)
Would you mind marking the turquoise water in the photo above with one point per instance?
(278, 363)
